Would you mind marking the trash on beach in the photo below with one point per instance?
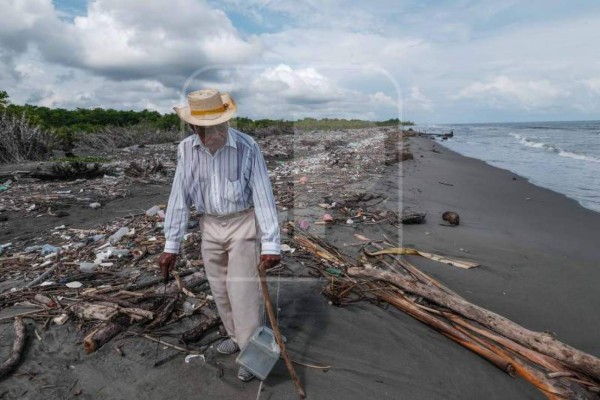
(49, 249)
(451, 217)
(118, 235)
(409, 218)
(189, 357)
(120, 252)
(4, 246)
(45, 300)
(325, 206)
(95, 205)
(327, 218)
(74, 285)
(87, 267)
(286, 248)
(303, 224)
(61, 319)
(152, 211)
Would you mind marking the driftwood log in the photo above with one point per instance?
(110, 299)
(196, 333)
(409, 218)
(101, 335)
(556, 379)
(164, 313)
(194, 280)
(107, 311)
(541, 342)
(43, 276)
(501, 359)
(18, 345)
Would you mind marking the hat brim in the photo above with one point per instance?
(185, 114)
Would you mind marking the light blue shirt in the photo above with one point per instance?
(233, 179)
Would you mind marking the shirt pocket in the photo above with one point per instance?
(233, 190)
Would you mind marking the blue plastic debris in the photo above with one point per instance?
(49, 249)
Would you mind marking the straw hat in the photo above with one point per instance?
(207, 107)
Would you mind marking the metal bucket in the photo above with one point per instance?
(260, 353)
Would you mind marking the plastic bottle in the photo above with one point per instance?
(49, 249)
(120, 252)
(31, 249)
(87, 266)
(152, 211)
(118, 235)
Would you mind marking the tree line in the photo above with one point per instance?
(81, 120)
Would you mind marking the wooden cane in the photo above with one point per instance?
(273, 319)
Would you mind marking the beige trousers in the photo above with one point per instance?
(231, 252)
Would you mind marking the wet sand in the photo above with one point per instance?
(540, 267)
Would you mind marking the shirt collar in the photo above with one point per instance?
(231, 142)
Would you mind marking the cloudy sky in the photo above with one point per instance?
(429, 61)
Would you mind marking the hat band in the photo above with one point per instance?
(218, 110)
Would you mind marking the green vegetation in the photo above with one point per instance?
(65, 122)
(335, 123)
(250, 126)
(3, 99)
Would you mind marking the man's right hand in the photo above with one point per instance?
(167, 263)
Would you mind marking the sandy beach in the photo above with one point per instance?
(539, 259)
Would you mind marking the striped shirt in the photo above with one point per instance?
(233, 179)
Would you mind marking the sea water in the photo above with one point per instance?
(561, 156)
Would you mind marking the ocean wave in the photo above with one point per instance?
(576, 156)
(532, 143)
(541, 145)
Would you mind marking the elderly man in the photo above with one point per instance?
(223, 172)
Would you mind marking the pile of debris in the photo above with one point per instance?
(107, 279)
(345, 162)
(379, 274)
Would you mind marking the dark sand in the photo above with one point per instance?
(539, 267)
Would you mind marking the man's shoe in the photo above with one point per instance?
(244, 375)
(227, 346)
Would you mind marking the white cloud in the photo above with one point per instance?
(593, 85)
(291, 92)
(416, 100)
(128, 39)
(451, 60)
(302, 85)
(502, 91)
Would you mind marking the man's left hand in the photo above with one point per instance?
(270, 260)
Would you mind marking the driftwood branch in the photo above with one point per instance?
(196, 333)
(18, 345)
(164, 313)
(541, 342)
(42, 276)
(101, 335)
